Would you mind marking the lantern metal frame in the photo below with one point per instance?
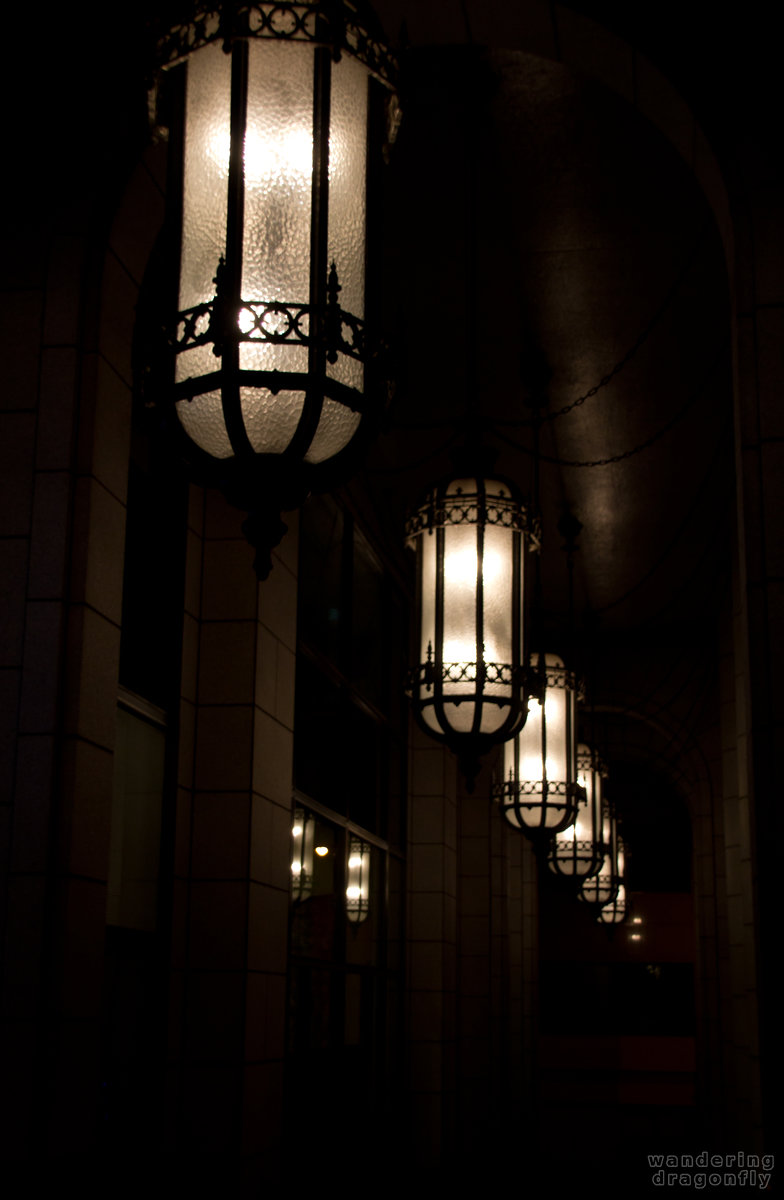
(618, 909)
(601, 888)
(264, 483)
(577, 858)
(436, 683)
(522, 799)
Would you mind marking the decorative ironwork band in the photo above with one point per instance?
(467, 509)
(338, 24)
(554, 677)
(271, 322)
(512, 789)
(424, 675)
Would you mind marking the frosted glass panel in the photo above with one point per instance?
(267, 356)
(497, 572)
(205, 191)
(460, 717)
(427, 542)
(193, 363)
(347, 370)
(202, 419)
(270, 421)
(460, 568)
(335, 430)
(278, 171)
(347, 154)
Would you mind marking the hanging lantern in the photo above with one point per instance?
(538, 792)
(302, 835)
(616, 912)
(467, 687)
(602, 887)
(357, 880)
(578, 851)
(274, 368)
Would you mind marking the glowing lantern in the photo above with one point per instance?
(601, 888)
(467, 687)
(272, 356)
(578, 851)
(538, 792)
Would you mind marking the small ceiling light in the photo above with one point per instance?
(322, 850)
(275, 372)
(538, 793)
(467, 688)
(357, 880)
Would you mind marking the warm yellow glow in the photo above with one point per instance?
(460, 567)
(355, 860)
(636, 920)
(296, 831)
(459, 650)
(284, 160)
(322, 850)
(353, 893)
(287, 159)
(296, 868)
(635, 937)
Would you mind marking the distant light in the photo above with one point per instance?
(322, 850)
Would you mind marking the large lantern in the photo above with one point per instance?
(578, 851)
(467, 686)
(538, 792)
(273, 364)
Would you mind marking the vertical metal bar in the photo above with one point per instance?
(319, 231)
(230, 283)
(438, 649)
(479, 628)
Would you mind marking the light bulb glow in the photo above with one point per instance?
(322, 851)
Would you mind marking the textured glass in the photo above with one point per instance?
(497, 573)
(335, 430)
(278, 173)
(347, 370)
(460, 570)
(460, 717)
(347, 169)
(270, 421)
(198, 361)
(205, 185)
(202, 419)
(427, 548)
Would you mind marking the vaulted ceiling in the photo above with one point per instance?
(543, 238)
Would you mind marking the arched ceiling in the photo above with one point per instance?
(538, 225)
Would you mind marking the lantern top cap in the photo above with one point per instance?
(346, 26)
(470, 500)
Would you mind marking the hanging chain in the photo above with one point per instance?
(616, 458)
(643, 337)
